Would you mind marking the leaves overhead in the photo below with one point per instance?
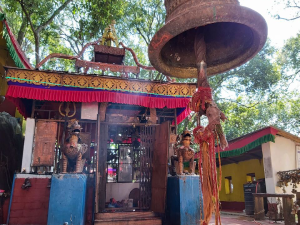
(252, 96)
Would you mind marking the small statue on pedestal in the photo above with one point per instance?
(73, 149)
(183, 153)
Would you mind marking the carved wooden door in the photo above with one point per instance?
(102, 158)
(160, 167)
(44, 143)
(147, 146)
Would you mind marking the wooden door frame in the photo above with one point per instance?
(101, 149)
(102, 129)
(160, 168)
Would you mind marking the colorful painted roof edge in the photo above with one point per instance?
(80, 82)
(247, 142)
(13, 47)
(66, 87)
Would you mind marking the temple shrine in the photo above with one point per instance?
(102, 145)
(115, 133)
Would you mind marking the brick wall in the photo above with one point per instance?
(30, 206)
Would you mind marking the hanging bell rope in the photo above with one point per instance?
(203, 103)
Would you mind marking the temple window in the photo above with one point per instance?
(250, 177)
(228, 185)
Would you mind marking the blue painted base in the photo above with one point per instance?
(67, 199)
(183, 200)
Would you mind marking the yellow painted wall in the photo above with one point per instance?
(238, 172)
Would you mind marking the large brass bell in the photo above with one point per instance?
(232, 35)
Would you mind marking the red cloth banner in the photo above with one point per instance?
(15, 93)
(95, 96)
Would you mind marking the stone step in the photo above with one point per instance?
(131, 221)
(127, 218)
(124, 215)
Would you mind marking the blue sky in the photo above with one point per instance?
(279, 30)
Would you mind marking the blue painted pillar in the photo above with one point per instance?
(183, 200)
(67, 199)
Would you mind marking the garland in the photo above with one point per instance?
(206, 137)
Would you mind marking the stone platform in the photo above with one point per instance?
(240, 219)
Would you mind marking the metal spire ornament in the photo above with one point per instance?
(202, 38)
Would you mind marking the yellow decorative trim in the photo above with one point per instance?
(98, 82)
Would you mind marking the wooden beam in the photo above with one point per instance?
(287, 203)
(230, 160)
(175, 120)
(259, 211)
(255, 155)
(97, 165)
(298, 202)
(273, 195)
(33, 109)
(256, 150)
(102, 165)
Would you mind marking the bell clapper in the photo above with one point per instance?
(200, 53)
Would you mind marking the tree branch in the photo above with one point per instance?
(22, 30)
(70, 39)
(56, 12)
(27, 15)
(288, 19)
(143, 36)
(71, 44)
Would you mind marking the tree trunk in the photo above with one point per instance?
(21, 33)
(37, 47)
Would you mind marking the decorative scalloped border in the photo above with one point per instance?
(10, 46)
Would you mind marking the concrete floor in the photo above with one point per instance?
(229, 219)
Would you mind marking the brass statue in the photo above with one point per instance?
(110, 35)
(73, 150)
(184, 153)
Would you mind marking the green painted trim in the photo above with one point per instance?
(10, 47)
(248, 147)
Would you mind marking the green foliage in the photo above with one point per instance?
(255, 78)
(143, 18)
(256, 94)
(252, 96)
(289, 58)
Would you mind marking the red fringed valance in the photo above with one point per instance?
(95, 96)
(15, 93)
